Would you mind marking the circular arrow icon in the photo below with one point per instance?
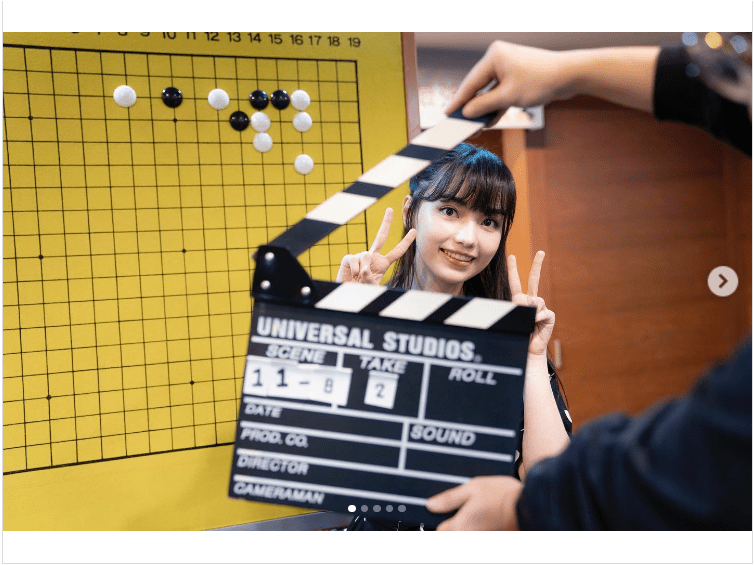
(722, 281)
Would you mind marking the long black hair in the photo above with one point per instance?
(480, 180)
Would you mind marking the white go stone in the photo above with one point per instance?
(262, 142)
(303, 164)
(300, 100)
(218, 99)
(302, 122)
(260, 121)
(125, 96)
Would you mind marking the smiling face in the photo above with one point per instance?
(462, 206)
(453, 244)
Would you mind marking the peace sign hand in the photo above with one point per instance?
(370, 266)
(544, 319)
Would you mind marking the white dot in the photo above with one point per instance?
(352, 508)
(124, 96)
(260, 121)
(218, 99)
(303, 164)
(302, 122)
(300, 99)
(262, 142)
(364, 508)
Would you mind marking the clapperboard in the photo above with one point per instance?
(366, 399)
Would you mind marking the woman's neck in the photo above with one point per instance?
(431, 284)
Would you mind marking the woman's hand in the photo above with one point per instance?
(370, 266)
(483, 503)
(545, 319)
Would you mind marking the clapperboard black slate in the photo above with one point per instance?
(360, 398)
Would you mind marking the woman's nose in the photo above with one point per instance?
(466, 233)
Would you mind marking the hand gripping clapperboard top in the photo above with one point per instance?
(362, 398)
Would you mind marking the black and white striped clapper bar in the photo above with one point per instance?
(366, 399)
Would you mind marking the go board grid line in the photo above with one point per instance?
(67, 289)
(140, 293)
(183, 255)
(15, 266)
(204, 232)
(87, 185)
(236, 388)
(91, 261)
(222, 195)
(159, 230)
(41, 268)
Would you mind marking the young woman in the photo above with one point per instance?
(457, 218)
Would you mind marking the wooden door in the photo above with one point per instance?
(633, 215)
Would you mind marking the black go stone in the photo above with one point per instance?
(259, 99)
(172, 97)
(280, 99)
(239, 120)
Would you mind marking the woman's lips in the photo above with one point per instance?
(458, 259)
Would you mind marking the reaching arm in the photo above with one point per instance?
(527, 76)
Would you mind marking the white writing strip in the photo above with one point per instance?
(404, 441)
(502, 432)
(340, 208)
(448, 133)
(334, 490)
(394, 170)
(464, 452)
(424, 391)
(415, 305)
(320, 433)
(428, 475)
(374, 353)
(479, 313)
(350, 297)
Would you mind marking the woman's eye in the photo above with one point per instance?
(448, 211)
(490, 223)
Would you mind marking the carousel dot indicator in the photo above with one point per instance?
(259, 99)
(172, 97)
(260, 121)
(300, 100)
(262, 142)
(218, 99)
(280, 99)
(302, 122)
(303, 164)
(239, 120)
(125, 96)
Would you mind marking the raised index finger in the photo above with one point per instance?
(513, 280)
(383, 232)
(398, 251)
(536, 269)
(479, 76)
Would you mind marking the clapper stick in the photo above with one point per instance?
(367, 399)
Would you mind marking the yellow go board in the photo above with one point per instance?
(126, 254)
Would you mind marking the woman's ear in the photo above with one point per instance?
(406, 206)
